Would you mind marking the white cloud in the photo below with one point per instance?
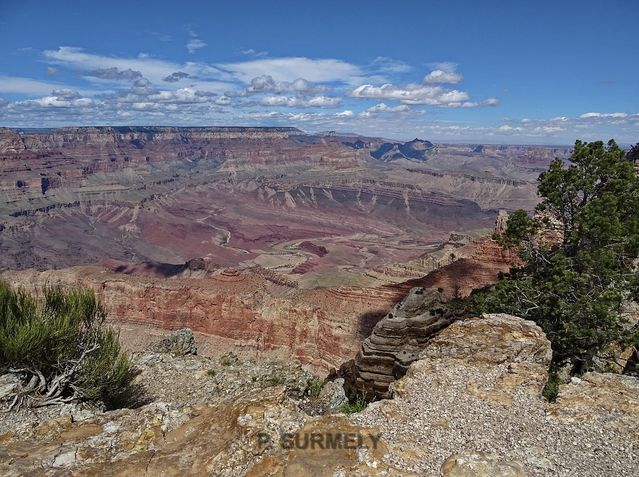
(114, 74)
(411, 94)
(385, 64)
(383, 108)
(253, 52)
(20, 85)
(441, 76)
(153, 69)
(266, 84)
(62, 98)
(194, 44)
(345, 114)
(603, 115)
(292, 68)
(300, 102)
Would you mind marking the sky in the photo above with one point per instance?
(515, 72)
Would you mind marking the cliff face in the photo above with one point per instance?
(263, 310)
(240, 310)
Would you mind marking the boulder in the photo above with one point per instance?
(8, 384)
(180, 343)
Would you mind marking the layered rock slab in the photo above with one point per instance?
(396, 341)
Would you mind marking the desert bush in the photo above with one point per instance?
(314, 387)
(61, 349)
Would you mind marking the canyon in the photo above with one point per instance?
(265, 239)
(281, 258)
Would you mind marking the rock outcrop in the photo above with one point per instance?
(469, 406)
(472, 406)
(180, 342)
(396, 341)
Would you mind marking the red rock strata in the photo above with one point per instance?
(322, 327)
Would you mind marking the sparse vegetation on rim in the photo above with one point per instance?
(61, 349)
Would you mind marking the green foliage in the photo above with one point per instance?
(573, 285)
(314, 387)
(64, 343)
(356, 405)
(551, 389)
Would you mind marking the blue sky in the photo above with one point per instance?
(492, 71)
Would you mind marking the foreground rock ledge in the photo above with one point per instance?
(469, 406)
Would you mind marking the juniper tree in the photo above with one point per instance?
(580, 254)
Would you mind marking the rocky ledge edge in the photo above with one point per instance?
(471, 405)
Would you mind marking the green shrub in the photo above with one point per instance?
(573, 284)
(314, 387)
(551, 389)
(61, 349)
(356, 405)
(274, 380)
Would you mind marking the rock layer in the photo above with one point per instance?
(396, 341)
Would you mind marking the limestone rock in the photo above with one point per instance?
(479, 464)
(329, 399)
(180, 342)
(469, 406)
(492, 339)
(609, 398)
(332, 394)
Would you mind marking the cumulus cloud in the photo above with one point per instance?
(345, 114)
(603, 115)
(428, 92)
(194, 44)
(441, 76)
(266, 84)
(411, 94)
(222, 101)
(383, 108)
(51, 71)
(61, 98)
